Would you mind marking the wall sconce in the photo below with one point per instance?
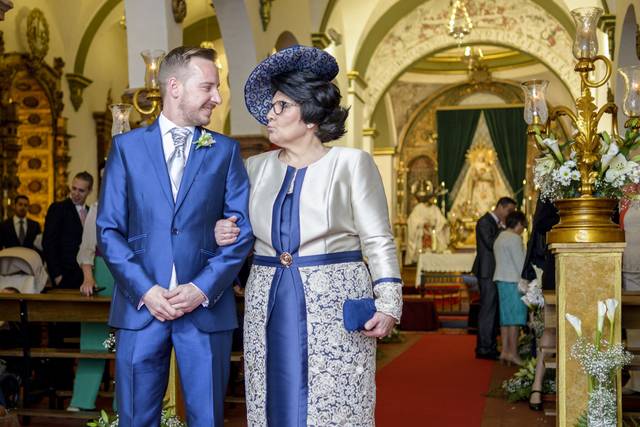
(151, 89)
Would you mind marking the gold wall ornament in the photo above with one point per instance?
(77, 84)
(179, 9)
(265, 13)
(37, 34)
(148, 100)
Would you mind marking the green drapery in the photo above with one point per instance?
(456, 129)
(508, 132)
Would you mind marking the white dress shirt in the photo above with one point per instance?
(87, 250)
(37, 242)
(16, 225)
(167, 146)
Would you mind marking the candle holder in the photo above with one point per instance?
(587, 217)
(120, 123)
(151, 91)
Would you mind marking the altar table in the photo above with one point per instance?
(459, 262)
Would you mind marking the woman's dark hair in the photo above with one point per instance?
(319, 102)
(515, 218)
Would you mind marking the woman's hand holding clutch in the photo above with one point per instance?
(379, 326)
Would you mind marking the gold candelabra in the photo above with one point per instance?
(587, 218)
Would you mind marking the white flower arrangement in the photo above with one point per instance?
(532, 294)
(556, 174)
(601, 360)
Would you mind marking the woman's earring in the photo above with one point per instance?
(309, 125)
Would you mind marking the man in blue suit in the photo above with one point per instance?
(164, 188)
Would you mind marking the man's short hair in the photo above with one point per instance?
(18, 197)
(505, 201)
(85, 176)
(178, 59)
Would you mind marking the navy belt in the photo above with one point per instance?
(286, 260)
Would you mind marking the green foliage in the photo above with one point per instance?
(393, 337)
(168, 419)
(518, 387)
(582, 420)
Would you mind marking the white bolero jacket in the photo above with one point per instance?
(342, 208)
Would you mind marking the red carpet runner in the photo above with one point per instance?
(436, 382)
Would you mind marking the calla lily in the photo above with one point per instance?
(606, 159)
(602, 311)
(554, 147)
(612, 305)
(575, 322)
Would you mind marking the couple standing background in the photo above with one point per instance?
(313, 209)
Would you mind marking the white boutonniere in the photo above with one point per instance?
(205, 140)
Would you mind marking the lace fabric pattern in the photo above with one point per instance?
(255, 343)
(341, 364)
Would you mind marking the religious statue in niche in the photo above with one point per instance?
(482, 183)
(427, 227)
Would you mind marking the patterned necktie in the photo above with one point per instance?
(176, 161)
(22, 233)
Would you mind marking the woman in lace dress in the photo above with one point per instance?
(316, 212)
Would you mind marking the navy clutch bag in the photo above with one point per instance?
(357, 312)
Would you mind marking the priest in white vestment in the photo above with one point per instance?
(427, 227)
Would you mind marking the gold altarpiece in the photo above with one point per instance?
(417, 156)
(34, 140)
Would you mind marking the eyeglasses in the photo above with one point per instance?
(279, 106)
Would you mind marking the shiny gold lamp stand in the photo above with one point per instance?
(587, 245)
(585, 219)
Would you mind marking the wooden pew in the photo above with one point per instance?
(55, 306)
(59, 306)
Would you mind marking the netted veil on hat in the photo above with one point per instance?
(258, 91)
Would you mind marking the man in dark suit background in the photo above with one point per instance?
(63, 234)
(19, 230)
(487, 229)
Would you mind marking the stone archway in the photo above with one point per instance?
(524, 26)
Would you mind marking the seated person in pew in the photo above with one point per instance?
(630, 222)
(97, 281)
(539, 255)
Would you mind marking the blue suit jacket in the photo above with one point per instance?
(142, 232)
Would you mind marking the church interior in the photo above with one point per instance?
(438, 93)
